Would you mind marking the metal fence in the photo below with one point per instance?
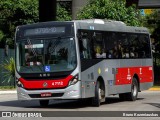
(3, 57)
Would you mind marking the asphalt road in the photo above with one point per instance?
(147, 101)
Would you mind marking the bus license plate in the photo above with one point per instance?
(46, 94)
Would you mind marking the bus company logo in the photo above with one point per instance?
(6, 114)
(45, 84)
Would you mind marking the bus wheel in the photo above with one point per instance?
(132, 96)
(44, 103)
(98, 95)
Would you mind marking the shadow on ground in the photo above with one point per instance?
(154, 104)
(60, 104)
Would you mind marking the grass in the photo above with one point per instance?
(7, 88)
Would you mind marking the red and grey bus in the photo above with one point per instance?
(82, 59)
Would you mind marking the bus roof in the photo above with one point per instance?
(108, 25)
(95, 24)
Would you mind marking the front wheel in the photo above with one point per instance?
(99, 94)
(96, 99)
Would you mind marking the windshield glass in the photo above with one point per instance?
(45, 55)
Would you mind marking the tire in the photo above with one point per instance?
(97, 99)
(132, 96)
(43, 103)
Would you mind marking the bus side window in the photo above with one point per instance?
(134, 45)
(85, 45)
(99, 46)
(140, 46)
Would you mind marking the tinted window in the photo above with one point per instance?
(113, 45)
(116, 45)
(140, 45)
(85, 45)
(99, 46)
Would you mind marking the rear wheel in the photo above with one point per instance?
(44, 103)
(132, 96)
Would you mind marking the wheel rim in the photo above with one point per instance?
(134, 90)
(100, 94)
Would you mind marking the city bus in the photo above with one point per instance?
(82, 59)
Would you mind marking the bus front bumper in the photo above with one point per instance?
(71, 92)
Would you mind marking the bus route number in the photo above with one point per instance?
(57, 83)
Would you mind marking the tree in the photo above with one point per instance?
(14, 13)
(62, 14)
(110, 9)
(153, 22)
(20, 12)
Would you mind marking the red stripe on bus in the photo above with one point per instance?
(47, 84)
(125, 75)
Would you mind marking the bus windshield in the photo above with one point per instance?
(46, 55)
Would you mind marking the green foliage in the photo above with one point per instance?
(9, 67)
(110, 9)
(154, 25)
(20, 12)
(7, 87)
(62, 14)
(1, 35)
(14, 13)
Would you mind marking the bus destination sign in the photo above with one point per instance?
(42, 31)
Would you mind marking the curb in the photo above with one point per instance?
(154, 89)
(8, 92)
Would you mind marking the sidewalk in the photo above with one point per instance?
(8, 92)
(154, 89)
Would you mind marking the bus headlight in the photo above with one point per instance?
(19, 84)
(73, 81)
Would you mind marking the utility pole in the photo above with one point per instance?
(131, 2)
(47, 10)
